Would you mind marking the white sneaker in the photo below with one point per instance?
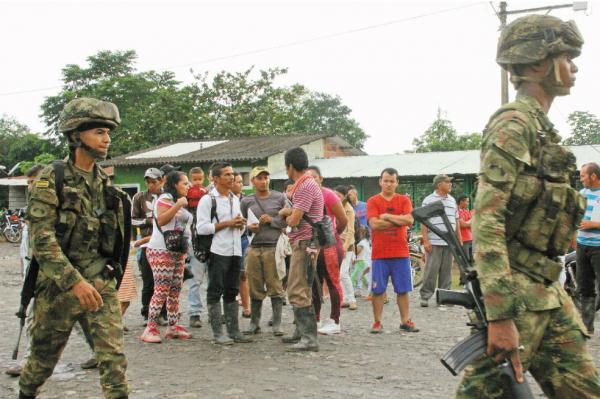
(330, 328)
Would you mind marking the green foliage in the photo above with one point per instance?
(43, 158)
(442, 136)
(155, 108)
(585, 129)
(18, 143)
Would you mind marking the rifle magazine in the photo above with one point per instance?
(465, 352)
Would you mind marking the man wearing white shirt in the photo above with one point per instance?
(225, 253)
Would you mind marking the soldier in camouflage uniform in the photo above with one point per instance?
(526, 213)
(74, 236)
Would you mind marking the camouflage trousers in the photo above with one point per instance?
(54, 314)
(555, 354)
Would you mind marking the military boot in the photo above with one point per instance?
(307, 324)
(295, 337)
(214, 317)
(256, 310)
(277, 305)
(23, 396)
(232, 323)
(588, 311)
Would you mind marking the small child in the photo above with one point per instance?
(361, 275)
(197, 190)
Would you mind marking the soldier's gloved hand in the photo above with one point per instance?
(88, 297)
(503, 343)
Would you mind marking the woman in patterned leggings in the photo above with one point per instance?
(167, 266)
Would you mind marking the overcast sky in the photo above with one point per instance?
(392, 62)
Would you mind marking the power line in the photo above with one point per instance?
(285, 45)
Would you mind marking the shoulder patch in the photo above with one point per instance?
(41, 184)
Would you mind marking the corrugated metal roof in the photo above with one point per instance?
(235, 149)
(13, 181)
(176, 150)
(419, 164)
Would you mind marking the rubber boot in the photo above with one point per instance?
(214, 317)
(295, 337)
(588, 311)
(277, 305)
(232, 323)
(307, 323)
(256, 310)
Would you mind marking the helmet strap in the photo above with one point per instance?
(75, 142)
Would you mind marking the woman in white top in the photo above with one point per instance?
(167, 266)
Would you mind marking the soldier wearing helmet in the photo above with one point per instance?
(526, 214)
(80, 228)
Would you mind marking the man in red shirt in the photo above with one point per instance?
(388, 214)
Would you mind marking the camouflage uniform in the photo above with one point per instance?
(72, 240)
(526, 213)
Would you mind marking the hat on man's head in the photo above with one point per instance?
(168, 168)
(258, 170)
(153, 173)
(439, 179)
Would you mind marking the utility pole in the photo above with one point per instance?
(503, 72)
(503, 13)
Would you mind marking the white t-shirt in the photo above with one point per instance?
(365, 250)
(181, 221)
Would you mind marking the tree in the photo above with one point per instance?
(43, 158)
(441, 136)
(585, 129)
(155, 108)
(10, 129)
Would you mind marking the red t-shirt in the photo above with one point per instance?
(392, 242)
(465, 232)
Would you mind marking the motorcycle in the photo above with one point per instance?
(11, 225)
(417, 257)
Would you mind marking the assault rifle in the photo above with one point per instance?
(27, 294)
(475, 345)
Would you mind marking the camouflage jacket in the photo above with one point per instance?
(514, 143)
(73, 238)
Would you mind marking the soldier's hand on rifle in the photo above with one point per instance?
(503, 343)
(87, 295)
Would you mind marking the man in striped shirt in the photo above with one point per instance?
(588, 244)
(307, 203)
(439, 257)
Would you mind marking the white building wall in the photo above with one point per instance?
(314, 150)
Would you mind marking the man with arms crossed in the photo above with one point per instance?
(389, 214)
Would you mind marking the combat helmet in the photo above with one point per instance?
(534, 38)
(87, 111)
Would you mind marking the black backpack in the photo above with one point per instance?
(202, 243)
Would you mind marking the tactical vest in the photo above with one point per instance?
(544, 210)
(92, 233)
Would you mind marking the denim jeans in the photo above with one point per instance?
(199, 270)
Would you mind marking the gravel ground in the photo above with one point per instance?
(353, 364)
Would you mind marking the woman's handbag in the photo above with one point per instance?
(175, 240)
